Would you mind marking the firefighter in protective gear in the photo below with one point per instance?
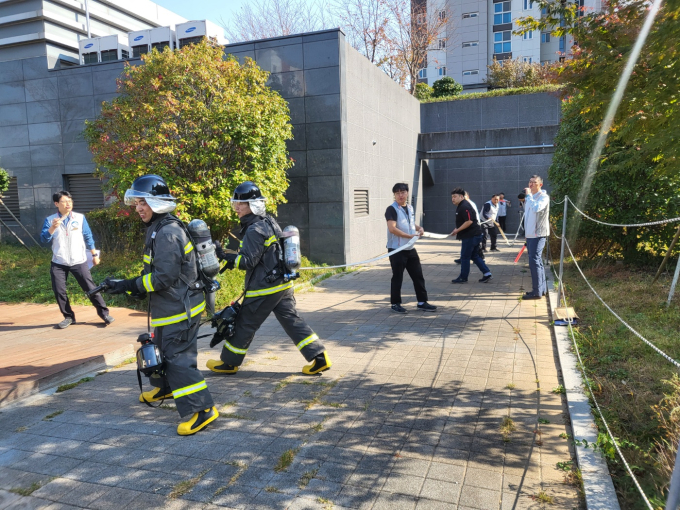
(266, 291)
(176, 301)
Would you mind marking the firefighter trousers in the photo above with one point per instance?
(254, 312)
(181, 377)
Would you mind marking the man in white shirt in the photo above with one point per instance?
(536, 231)
(503, 205)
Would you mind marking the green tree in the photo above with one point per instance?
(203, 122)
(626, 189)
(4, 181)
(517, 73)
(445, 87)
(423, 91)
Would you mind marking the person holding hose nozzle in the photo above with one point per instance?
(176, 300)
(266, 289)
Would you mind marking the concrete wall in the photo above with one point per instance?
(383, 121)
(495, 122)
(42, 115)
(306, 71)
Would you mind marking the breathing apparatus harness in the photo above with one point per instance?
(149, 356)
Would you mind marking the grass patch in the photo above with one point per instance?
(559, 390)
(167, 407)
(628, 377)
(186, 486)
(52, 415)
(286, 460)
(306, 478)
(510, 386)
(336, 405)
(27, 280)
(544, 498)
(327, 503)
(236, 416)
(283, 383)
(126, 361)
(27, 491)
(70, 386)
(21, 429)
(247, 393)
(319, 397)
(507, 428)
(271, 488)
(543, 421)
(497, 93)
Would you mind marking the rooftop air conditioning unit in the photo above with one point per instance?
(194, 31)
(140, 42)
(89, 50)
(113, 47)
(162, 37)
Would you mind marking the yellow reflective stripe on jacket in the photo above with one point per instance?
(188, 390)
(237, 261)
(233, 349)
(146, 280)
(164, 321)
(147, 259)
(240, 244)
(270, 241)
(270, 290)
(188, 247)
(304, 343)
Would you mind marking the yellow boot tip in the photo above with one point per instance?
(214, 365)
(192, 425)
(316, 368)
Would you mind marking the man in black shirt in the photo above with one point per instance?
(470, 233)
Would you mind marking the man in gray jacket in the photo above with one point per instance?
(176, 300)
(265, 289)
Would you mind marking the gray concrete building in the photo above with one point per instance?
(356, 133)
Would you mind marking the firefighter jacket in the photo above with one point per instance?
(258, 255)
(170, 274)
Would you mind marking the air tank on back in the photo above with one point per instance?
(205, 248)
(291, 248)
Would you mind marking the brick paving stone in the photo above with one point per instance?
(416, 406)
(7, 498)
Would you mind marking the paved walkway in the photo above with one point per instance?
(37, 355)
(409, 416)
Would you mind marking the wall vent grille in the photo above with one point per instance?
(360, 202)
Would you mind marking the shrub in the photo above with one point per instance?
(117, 229)
(517, 73)
(446, 87)
(423, 91)
(4, 181)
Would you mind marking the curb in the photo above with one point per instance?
(97, 363)
(597, 482)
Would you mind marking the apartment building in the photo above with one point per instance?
(479, 31)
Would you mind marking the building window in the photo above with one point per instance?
(545, 37)
(544, 11)
(501, 42)
(441, 44)
(470, 44)
(527, 60)
(442, 15)
(441, 71)
(422, 74)
(502, 13)
(562, 43)
(11, 200)
(124, 54)
(528, 35)
(471, 72)
(470, 15)
(90, 58)
(360, 202)
(528, 5)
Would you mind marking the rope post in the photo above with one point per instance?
(560, 287)
(674, 490)
(675, 282)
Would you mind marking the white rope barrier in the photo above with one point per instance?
(599, 410)
(649, 224)
(659, 351)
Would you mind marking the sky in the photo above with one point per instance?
(211, 10)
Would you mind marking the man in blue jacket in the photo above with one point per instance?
(70, 236)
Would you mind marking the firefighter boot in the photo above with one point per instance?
(321, 362)
(197, 422)
(155, 395)
(219, 366)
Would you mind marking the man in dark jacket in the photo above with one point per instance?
(176, 301)
(266, 290)
(470, 233)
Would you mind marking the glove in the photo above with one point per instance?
(121, 286)
(219, 251)
(216, 339)
(230, 258)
